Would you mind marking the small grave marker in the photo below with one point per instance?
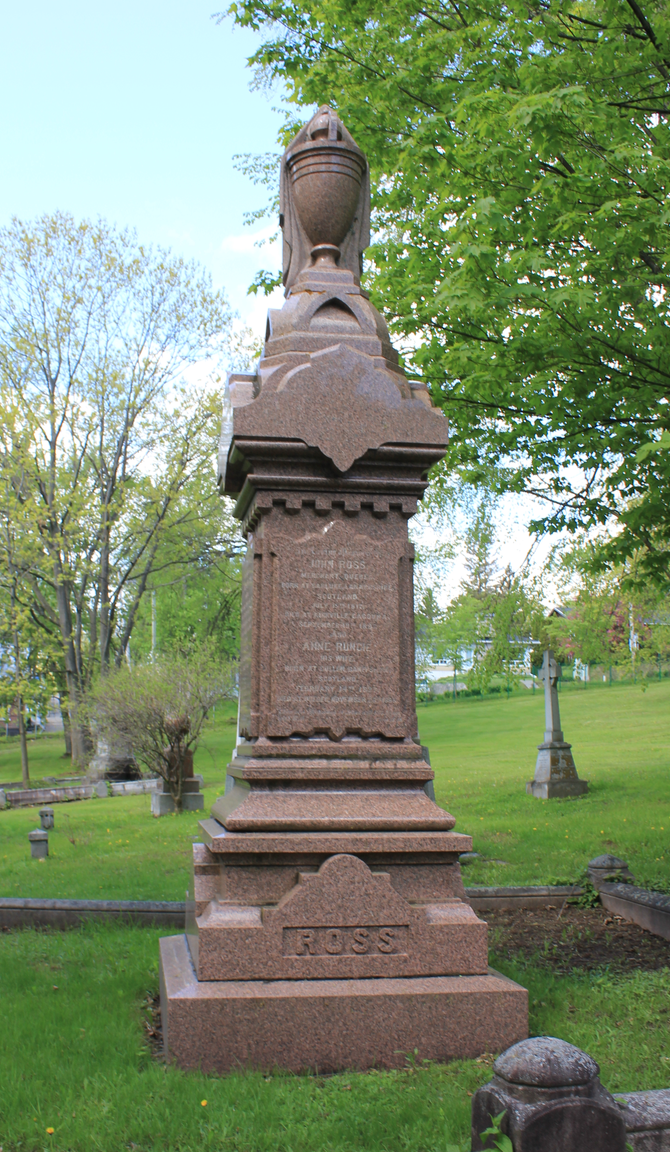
(39, 844)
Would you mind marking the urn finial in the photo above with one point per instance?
(324, 198)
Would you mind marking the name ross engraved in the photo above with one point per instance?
(366, 940)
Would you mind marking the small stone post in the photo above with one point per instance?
(552, 1101)
(608, 867)
(39, 844)
(555, 772)
(46, 818)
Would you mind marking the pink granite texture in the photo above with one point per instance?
(336, 810)
(327, 922)
(224, 843)
(330, 1025)
(342, 921)
(256, 881)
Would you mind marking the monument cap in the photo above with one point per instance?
(607, 861)
(545, 1062)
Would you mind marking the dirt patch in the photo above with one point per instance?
(582, 938)
(153, 1025)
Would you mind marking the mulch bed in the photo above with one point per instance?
(565, 938)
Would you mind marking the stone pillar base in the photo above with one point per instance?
(555, 789)
(332, 1025)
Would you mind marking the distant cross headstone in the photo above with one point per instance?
(555, 772)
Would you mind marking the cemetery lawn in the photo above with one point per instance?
(483, 751)
(75, 1058)
(109, 849)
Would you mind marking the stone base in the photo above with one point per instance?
(332, 1025)
(162, 804)
(556, 789)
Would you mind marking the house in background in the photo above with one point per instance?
(52, 722)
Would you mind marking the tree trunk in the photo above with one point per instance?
(25, 775)
(80, 740)
(176, 773)
(67, 735)
(103, 585)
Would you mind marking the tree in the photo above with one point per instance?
(200, 601)
(520, 161)
(26, 656)
(159, 709)
(488, 627)
(112, 444)
(603, 609)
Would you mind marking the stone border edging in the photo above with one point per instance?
(651, 910)
(529, 896)
(647, 1119)
(22, 912)
(17, 912)
(32, 797)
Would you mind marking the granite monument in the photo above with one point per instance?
(555, 772)
(328, 926)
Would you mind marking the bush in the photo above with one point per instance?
(159, 710)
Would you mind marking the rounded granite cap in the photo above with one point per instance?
(607, 861)
(545, 1062)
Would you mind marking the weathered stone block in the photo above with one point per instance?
(162, 803)
(39, 844)
(608, 867)
(552, 1101)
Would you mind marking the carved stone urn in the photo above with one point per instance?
(326, 174)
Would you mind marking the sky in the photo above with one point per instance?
(134, 112)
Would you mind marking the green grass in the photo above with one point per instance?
(111, 848)
(483, 751)
(74, 1058)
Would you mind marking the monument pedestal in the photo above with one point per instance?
(332, 1025)
(327, 924)
(555, 773)
(192, 799)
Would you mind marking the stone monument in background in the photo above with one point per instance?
(555, 772)
(328, 926)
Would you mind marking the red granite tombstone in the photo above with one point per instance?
(328, 925)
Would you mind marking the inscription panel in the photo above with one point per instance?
(336, 658)
(367, 940)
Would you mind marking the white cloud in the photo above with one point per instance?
(248, 243)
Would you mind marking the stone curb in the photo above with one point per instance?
(647, 1119)
(16, 912)
(651, 910)
(531, 896)
(32, 797)
(26, 913)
